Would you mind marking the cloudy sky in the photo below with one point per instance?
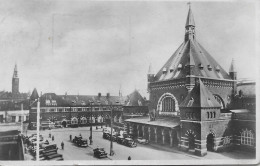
(88, 47)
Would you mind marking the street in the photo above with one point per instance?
(141, 152)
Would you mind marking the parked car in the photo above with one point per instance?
(48, 148)
(105, 135)
(99, 153)
(54, 157)
(76, 139)
(130, 142)
(141, 140)
(120, 140)
(82, 142)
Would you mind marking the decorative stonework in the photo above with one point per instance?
(159, 105)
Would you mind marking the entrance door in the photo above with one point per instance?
(191, 141)
(210, 142)
(64, 123)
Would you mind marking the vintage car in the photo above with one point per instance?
(54, 157)
(141, 140)
(48, 148)
(82, 143)
(130, 142)
(79, 141)
(120, 140)
(106, 135)
(99, 153)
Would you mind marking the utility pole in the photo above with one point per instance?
(38, 129)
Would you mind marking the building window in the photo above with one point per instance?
(20, 118)
(47, 102)
(27, 118)
(79, 109)
(53, 102)
(83, 120)
(51, 110)
(247, 137)
(214, 114)
(60, 109)
(13, 118)
(168, 105)
(74, 121)
(208, 114)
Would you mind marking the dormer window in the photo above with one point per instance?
(164, 70)
(47, 102)
(171, 69)
(83, 103)
(200, 66)
(209, 68)
(179, 66)
(217, 69)
(53, 102)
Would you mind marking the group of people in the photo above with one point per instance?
(52, 138)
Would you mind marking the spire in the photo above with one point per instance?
(232, 66)
(15, 75)
(189, 26)
(190, 19)
(150, 70)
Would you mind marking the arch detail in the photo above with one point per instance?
(169, 105)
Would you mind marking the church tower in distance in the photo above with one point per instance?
(15, 82)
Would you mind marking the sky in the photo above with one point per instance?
(86, 47)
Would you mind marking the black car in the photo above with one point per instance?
(106, 135)
(130, 142)
(100, 153)
(120, 140)
(79, 141)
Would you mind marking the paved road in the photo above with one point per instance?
(141, 152)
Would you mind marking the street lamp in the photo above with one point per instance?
(111, 136)
(90, 137)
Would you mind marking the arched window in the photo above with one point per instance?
(247, 137)
(168, 105)
(211, 114)
(214, 114)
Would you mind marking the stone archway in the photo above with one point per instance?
(171, 106)
(210, 142)
(191, 139)
(64, 123)
(220, 101)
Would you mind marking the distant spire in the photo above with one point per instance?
(190, 19)
(150, 70)
(232, 66)
(15, 75)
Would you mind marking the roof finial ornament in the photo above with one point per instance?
(189, 3)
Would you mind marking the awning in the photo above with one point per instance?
(162, 122)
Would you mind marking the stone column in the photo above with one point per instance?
(171, 135)
(149, 132)
(138, 132)
(163, 137)
(143, 131)
(155, 134)
(130, 129)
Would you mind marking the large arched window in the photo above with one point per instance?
(168, 105)
(247, 137)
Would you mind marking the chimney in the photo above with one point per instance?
(108, 95)
(99, 94)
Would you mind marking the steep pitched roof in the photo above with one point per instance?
(34, 95)
(190, 52)
(135, 99)
(201, 97)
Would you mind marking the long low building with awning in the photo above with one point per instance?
(163, 130)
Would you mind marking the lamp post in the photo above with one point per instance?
(111, 136)
(90, 137)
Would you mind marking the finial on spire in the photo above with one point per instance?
(189, 4)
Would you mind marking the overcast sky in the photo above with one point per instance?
(88, 47)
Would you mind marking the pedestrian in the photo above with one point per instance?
(49, 135)
(62, 145)
(70, 137)
(53, 138)
(129, 158)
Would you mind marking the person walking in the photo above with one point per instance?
(129, 158)
(70, 137)
(53, 138)
(62, 145)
